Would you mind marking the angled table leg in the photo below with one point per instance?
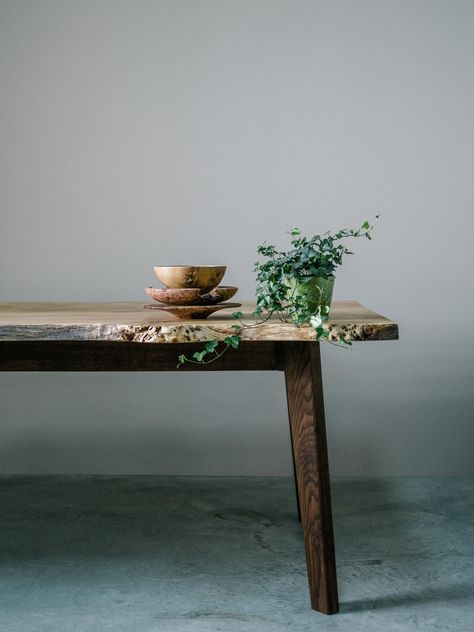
(304, 389)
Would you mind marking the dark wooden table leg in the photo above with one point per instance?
(308, 430)
(298, 509)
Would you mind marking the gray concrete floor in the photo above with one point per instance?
(162, 554)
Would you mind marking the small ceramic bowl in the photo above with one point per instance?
(205, 278)
(174, 296)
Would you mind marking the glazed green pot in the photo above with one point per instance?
(317, 290)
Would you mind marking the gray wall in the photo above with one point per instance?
(139, 132)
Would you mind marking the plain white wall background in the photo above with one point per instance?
(139, 132)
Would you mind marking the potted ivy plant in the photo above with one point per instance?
(295, 284)
(298, 283)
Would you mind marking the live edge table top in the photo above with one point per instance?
(94, 336)
(130, 322)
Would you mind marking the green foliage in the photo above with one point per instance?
(232, 341)
(277, 279)
(211, 346)
(317, 256)
(211, 350)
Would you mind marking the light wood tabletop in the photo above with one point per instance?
(129, 321)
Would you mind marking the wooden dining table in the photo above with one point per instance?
(126, 337)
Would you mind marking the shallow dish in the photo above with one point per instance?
(217, 295)
(206, 278)
(191, 312)
(175, 296)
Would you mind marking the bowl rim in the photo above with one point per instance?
(223, 287)
(173, 289)
(207, 265)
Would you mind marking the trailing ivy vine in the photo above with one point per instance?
(279, 276)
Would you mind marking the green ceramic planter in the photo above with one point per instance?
(317, 290)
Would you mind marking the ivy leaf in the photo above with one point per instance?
(237, 315)
(366, 225)
(181, 359)
(211, 345)
(321, 333)
(233, 341)
(199, 355)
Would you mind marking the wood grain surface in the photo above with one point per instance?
(130, 322)
(85, 355)
(308, 433)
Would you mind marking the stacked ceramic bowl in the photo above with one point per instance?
(191, 291)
